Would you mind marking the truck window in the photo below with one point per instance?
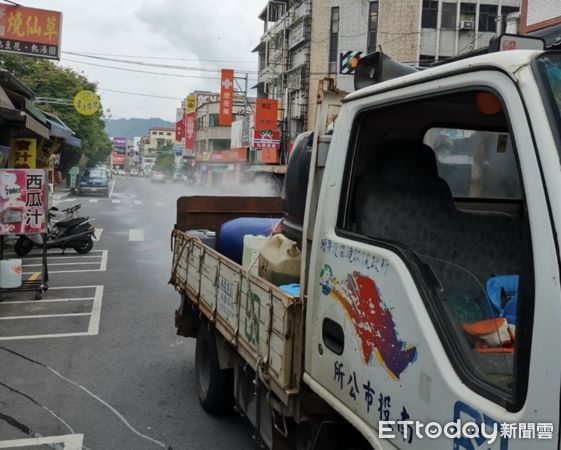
(437, 182)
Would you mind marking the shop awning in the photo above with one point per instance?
(61, 131)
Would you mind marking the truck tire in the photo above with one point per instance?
(215, 386)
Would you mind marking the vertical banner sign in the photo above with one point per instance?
(25, 153)
(30, 31)
(180, 124)
(226, 97)
(190, 114)
(23, 197)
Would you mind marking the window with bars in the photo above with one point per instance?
(430, 14)
(488, 18)
(334, 40)
(372, 27)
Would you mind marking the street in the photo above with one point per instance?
(96, 363)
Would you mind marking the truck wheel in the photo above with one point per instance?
(215, 386)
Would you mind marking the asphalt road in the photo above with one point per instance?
(97, 364)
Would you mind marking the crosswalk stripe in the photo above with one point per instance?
(93, 200)
(160, 204)
(138, 202)
(115, 201)
(136, 235)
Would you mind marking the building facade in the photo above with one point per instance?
(284, 61)
(155, 140)
(415, 32)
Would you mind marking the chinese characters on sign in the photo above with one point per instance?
(179, 125)
(265, 134)
(86, 103)
(266, 139)
(25, 153)
(30, 31)
(226, 97)
(190, 107)
(22, 201)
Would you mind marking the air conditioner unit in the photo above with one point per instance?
(467, 25)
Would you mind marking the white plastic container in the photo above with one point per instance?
(10, 273)
(251, 247)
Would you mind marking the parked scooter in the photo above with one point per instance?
(70, 232)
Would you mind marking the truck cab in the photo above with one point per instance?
(440, 189)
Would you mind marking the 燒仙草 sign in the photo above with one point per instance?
(30, 31)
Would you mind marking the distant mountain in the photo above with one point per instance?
(133, 127)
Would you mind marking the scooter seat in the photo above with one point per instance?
(69, 223)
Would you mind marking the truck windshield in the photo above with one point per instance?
(549, 66)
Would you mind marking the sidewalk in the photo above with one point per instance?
(60, 191)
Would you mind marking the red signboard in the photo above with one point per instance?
(30, 31)
(226, 97)
(266, 139)
(118, 159)
(180, 124)
(23, 201)
(266, 111)
(190, 131)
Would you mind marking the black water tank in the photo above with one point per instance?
(296, 186)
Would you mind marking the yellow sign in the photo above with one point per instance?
(25, 153)
(190, 104)
(86, 103)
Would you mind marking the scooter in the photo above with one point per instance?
(72, 232)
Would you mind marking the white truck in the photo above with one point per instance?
(429, 313)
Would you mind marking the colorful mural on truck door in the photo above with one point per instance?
(372, 320)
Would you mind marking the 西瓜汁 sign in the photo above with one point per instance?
(30, 31)
(226, 97)
(23, 201)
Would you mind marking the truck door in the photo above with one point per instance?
(434, 293)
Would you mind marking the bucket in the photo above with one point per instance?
(206, 236)
(251, 247)
(10, 273)
(279, 261)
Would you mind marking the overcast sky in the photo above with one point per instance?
(194, 30)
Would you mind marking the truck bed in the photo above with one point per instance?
(259, 320)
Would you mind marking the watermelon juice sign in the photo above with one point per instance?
(23, 201)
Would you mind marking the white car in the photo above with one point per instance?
(157, 177)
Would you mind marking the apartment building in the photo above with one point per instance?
(284, 61)
(416, 32)
(155, 140)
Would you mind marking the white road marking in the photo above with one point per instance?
(93, 326)
(136, 235)
(93, 200)
(69, 441)
(63, 257)
(160, 204)
(115, 201)
(98, 232)
(75, 299)
(64, 264)
(102, 266)
(138, 202)
(112, 187)
(44, 316)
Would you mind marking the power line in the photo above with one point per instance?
(142, 71)
(159, 57)
(139, 94)
(161, 66)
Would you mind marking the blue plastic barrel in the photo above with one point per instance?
(230, 240)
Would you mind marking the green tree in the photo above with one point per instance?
(165, 162)
(47, 79)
